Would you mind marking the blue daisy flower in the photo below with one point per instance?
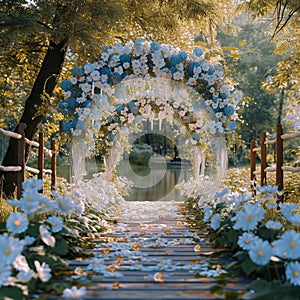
(246, 240)
(288, 245)
(5, 272)
(17, 223)
(248, 218)
(32, 183)
(260, 252)
(292, 272)
(56, 223)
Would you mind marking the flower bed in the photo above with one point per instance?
(262, 235)
(39, 236)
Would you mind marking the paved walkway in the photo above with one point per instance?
(153, 253)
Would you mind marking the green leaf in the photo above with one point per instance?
(33, 229)
(233, 236)
(248, 266)
(265, 233)
(61, 247)
(260, 285)
(12, 292)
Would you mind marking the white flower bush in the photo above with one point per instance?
(102, 194)
(32, 238)
(263, 234)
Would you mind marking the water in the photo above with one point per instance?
(165, 189)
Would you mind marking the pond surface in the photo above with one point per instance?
(159, 183)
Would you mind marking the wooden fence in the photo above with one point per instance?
(22, 167)
(280, 167)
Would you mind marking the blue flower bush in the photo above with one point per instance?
(262, 234)
(90, 92)
(35, 239)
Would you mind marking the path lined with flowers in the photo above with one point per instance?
(153, 253)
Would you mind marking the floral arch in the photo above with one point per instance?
(149, 80)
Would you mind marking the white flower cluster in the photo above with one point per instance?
(15, 269)
(120, 76)
(102, 194)
(241, 213)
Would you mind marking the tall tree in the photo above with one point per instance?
(284, 28)
(47, 29)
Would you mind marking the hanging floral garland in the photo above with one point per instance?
(96, 100)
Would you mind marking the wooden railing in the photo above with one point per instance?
(22, 167)
(280, 167)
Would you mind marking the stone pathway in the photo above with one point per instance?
(153, 253)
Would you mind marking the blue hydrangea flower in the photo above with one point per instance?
(104, 71)
(288, 245)
(133, 108)
(215, 221)
(292, 273)
(72, 102)
(111, 137)
(175, 60)
(154, 46)
(246, 240)
(182, 55)
(67, 126)
(62, 105)
(248, 218)
(56, 223)
(17, 223)
(198, 51)
(77, 71)
(66, 85)
(229, 110)
(211, 70)
(260, 252)
(125, 58)
(196, 136)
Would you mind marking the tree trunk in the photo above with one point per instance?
(44, 84)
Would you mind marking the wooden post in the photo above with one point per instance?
(279, 157)
(41, 158)
(252, 165)
(263, 159)
(53, 165)
(21, 159)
